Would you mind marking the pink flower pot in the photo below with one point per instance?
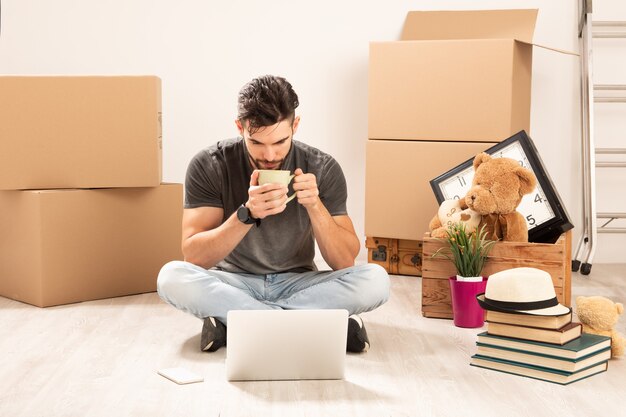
(465, 308)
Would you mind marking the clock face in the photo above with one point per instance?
(545, 216)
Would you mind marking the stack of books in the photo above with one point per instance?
(550, 348)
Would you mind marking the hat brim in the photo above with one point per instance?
(557, 310)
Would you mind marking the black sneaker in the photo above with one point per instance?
(213, 335)
(357, 335)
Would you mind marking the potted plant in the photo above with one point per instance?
(468, 252)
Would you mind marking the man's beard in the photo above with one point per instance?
(263, 164)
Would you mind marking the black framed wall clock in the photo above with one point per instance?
(543, 209)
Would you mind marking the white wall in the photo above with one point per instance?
(205, 51)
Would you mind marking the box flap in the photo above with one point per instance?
(472, 24)
(562, 51)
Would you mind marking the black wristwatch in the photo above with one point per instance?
(243, 214)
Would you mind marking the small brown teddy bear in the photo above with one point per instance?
(497, 189)
(598, 316)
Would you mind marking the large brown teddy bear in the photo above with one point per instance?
(497, 189)
(599, 316)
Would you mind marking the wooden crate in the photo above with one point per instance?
(556, 259)
(397, 256)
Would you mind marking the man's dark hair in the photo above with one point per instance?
(265, 101)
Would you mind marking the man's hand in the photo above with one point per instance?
(305, 186)
(267, 199)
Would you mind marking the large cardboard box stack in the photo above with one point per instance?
(83, 212)
(454, 85)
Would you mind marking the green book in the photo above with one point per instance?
(580, 347)
(536, 372)
(558, 364)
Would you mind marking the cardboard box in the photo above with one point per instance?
(397, 256)
(399, 202)
(454, 75)
(66, 246)
(79, 132)
(556, 259)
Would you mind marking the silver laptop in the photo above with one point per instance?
(286, 344)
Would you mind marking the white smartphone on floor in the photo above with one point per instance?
(180, 375)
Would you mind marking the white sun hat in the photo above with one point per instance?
(521, 291)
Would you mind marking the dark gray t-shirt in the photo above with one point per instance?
(219, 176)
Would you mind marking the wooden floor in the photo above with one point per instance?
(100, 359)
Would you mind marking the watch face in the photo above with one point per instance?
(545, 215)
(243, 214)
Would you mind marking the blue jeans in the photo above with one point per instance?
(212, 293)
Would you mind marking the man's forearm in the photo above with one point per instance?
(207, 248)
(338, 246)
